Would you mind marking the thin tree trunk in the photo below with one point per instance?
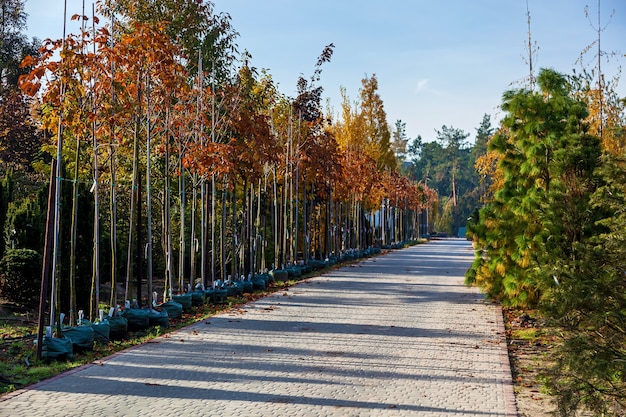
(74, 234)
(213, 184)
(113, 219)
(192, 231)
(275, 218)
(285, 219)
(296, 153)
(213, 203)
(257, 234)
(203, 229)
(133, 197)
(183, 206)
(57, 198)
(149, 192)
(223, 231)
(95, 279)
(167, 224)
(234, 264)
(45, 270)
(113, 195)
(74, 225)
(138, 242)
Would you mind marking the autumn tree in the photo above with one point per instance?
(317, 157)
(377, 134)
(193, 26)
(606, 110)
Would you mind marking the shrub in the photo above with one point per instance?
(20, 276)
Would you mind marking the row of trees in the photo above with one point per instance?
(177, 159)
(446, 165)
(181, 161)
(551, 234)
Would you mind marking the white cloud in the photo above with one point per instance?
(422, 85)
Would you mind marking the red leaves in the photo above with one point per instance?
(28, 87)
(28, 61)
(29, 83)
(208, 159)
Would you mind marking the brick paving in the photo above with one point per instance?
(396, 335)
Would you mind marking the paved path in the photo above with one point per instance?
(398, 335)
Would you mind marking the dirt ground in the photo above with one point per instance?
(527, 356)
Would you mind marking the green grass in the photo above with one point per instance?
(530, 334)
(12, 329)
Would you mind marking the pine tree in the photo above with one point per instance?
(538, 217)
(589, 304)
(399, 141)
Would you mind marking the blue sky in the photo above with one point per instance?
(438, 62)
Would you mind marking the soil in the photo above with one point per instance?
(527, 356)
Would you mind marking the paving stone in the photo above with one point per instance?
(395, 335)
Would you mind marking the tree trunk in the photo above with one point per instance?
(74, 228)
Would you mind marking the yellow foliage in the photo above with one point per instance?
(487, 166)
(500, 268)
(524, 260)
(605, 120)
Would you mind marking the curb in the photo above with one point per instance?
(507, 380)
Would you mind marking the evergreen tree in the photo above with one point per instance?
(19, 138)
(399, 141)
(12, 40)
(457, 169)
(589, 303)
(6, 195)
(445, 166)
(537, 220)
(483, 134)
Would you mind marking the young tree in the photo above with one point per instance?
(533, 227)
(377, 134)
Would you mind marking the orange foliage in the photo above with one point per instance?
(210, 158)
(605, 121)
